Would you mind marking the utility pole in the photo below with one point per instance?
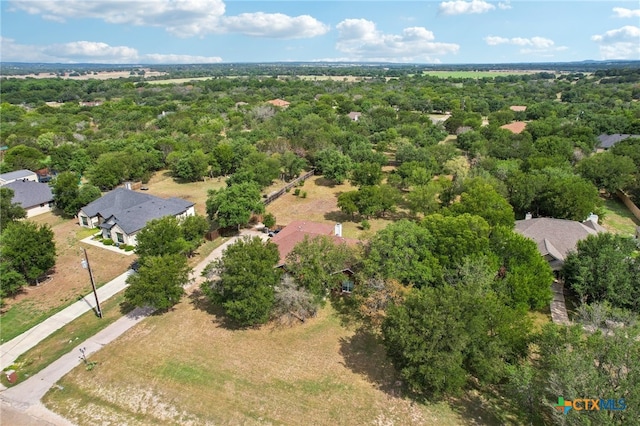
(87, 265)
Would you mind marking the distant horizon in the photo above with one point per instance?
(429, 32)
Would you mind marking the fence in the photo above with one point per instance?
(275, 195)
(630, 205)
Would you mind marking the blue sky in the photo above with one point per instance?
(214, 31)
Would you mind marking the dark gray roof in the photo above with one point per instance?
(115, 201)
(18, 174)
(556, 237)
(135, 218)
(30, 194)
(607, 141)
(132, 210)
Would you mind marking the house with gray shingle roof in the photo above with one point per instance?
(607, 141)
(556, 238)
(121, 213)
(35, 197)
(9, 177)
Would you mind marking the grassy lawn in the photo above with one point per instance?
(65, 339)
(186, 367)
(618, 218)
(163, 185)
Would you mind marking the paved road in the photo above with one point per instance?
(15, 347)
(20, 405)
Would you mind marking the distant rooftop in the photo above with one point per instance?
(516, 127)
(607, 141)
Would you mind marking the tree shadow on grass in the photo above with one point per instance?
(202, 303)
(322, 181)
(485, 407)
(364, 354)
(340, 217)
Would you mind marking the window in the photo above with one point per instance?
(85, 220)
(347, 286)
(119, 237)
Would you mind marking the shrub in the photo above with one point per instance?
(365, 225)
(269, 220)
(304, 194)
(296, 192)
(301, 183)
(287, 190)
(107, 242)
(127, 247)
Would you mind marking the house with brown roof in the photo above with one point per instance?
(516, 127)
(296, 232)
(556, 238)
(281, 103)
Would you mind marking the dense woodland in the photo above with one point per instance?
(448, 284)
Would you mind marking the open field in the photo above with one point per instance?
(187, 368)
(163, 185)
(321, 205)
(99, 75)
(481, 74)
(618, 218)
(69, 281)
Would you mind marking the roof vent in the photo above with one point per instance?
(528, 216)
(593, 218)
(337, 230)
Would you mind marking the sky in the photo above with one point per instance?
(239, 31)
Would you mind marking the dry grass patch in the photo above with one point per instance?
(185, 368)
(163, 185)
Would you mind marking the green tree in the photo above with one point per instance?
(191, 166)
(605, 267)
(9, 211)
(86, 194)
(161, 237)
(291, 165)
(424, 198)
(65, 193)
(24, 157)
(247, 278)
(366, 174)
(193, 229)
(334, 165)
(234, 205)
(427, 350)
(402, 251)
(269, 220)
(11, 281)
(223, 158)
(481, 199)
(314, 261)
(524, 277)
(159, 282)
(455, 237)
(28, 248)
(608, 171)
(347, 202)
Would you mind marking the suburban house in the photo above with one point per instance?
(607, 141)
(296, 232)
(6, 178)
(121, 213)
(516, 127)
(281, 103)
(557, 237)
(35, 197)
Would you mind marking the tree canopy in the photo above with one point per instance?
(234, 205)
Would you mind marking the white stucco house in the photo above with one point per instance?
(121, 213)
(35, 197)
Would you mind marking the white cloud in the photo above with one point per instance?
(183, 18)
(460, 7)
(533, 45)
(504, 5)
(361, 40)
(621, 43)
(159, 58)
(621, 12)
(92, 52)
(274, 25)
